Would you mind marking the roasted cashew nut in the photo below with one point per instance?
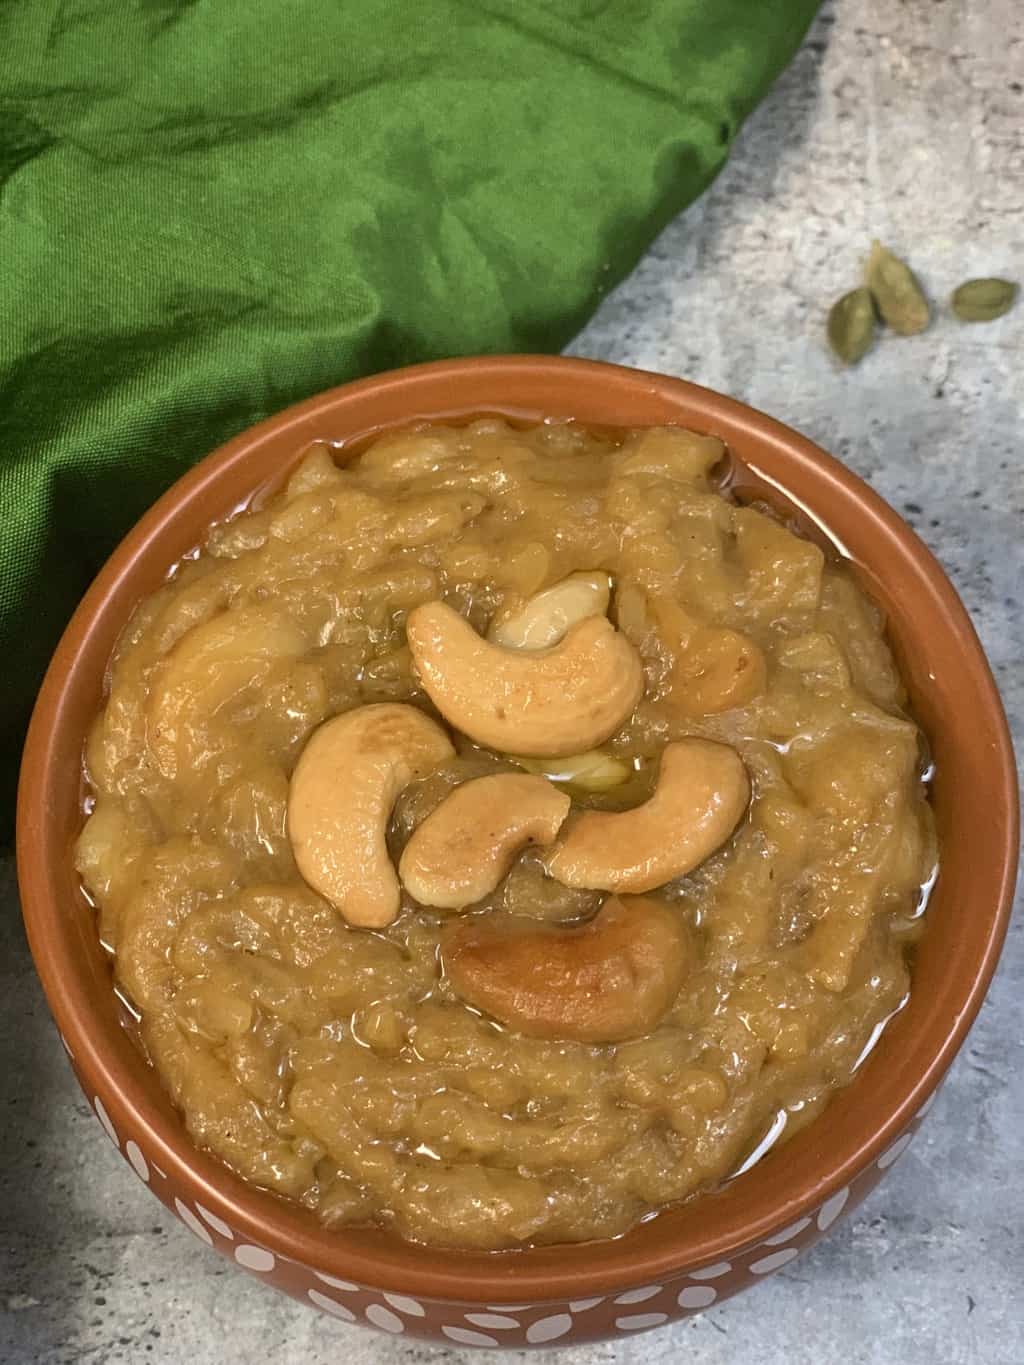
(544, 619)
(612, 979)
(340, 799)
(543, 702)
(702, 792)
(538, 623)
(465, 847)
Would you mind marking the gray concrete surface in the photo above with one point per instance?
(898, 119)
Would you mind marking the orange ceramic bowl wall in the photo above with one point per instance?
(691, 1256)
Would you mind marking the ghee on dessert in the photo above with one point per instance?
(505, 835)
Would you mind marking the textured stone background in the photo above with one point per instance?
(902, 120)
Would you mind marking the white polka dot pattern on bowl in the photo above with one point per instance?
(255, 1258)
(496, 1322)
(499, 1325)
(329, 1305)
(218, 1224)
(467, 1338)
(139, 1165)
(104, 1119)
(787, 1234)
(832, 1208)
(928, 1103)
(638, 1295)
(406, 1305)
(384, 1319)
(697, 1296)
(766, 1264)
(192, 1222)
(712, 1272)
(336, 1283)
(894, 1152)
(640, 1322)
(548, 1329)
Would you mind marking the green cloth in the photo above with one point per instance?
(212, 208)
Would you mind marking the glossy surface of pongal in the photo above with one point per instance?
(336, 1067)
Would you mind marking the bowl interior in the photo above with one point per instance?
(974, 795)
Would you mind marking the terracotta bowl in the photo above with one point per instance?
(697, 1254)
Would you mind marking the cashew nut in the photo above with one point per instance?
(702, 792)
(612, 979)
(540, 622)
(553, 701)
(341, 796)
(544, 619)
(462, 850)
(593, 771)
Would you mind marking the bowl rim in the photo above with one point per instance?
(386, 1262)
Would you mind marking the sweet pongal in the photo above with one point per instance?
(498, 836)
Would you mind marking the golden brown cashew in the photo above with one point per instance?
(340, 798)
(462, 849)
(702, 791)
(544, 619)
(534, 702)
(612, 979)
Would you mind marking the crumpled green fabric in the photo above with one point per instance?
(212, 208)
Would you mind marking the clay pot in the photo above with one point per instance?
(697, 1254)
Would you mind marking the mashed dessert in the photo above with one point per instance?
(505, 834)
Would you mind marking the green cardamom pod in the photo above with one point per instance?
(983, 300)
(851, 325)
(899, 297)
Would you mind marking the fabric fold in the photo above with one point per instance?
(210, 211)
